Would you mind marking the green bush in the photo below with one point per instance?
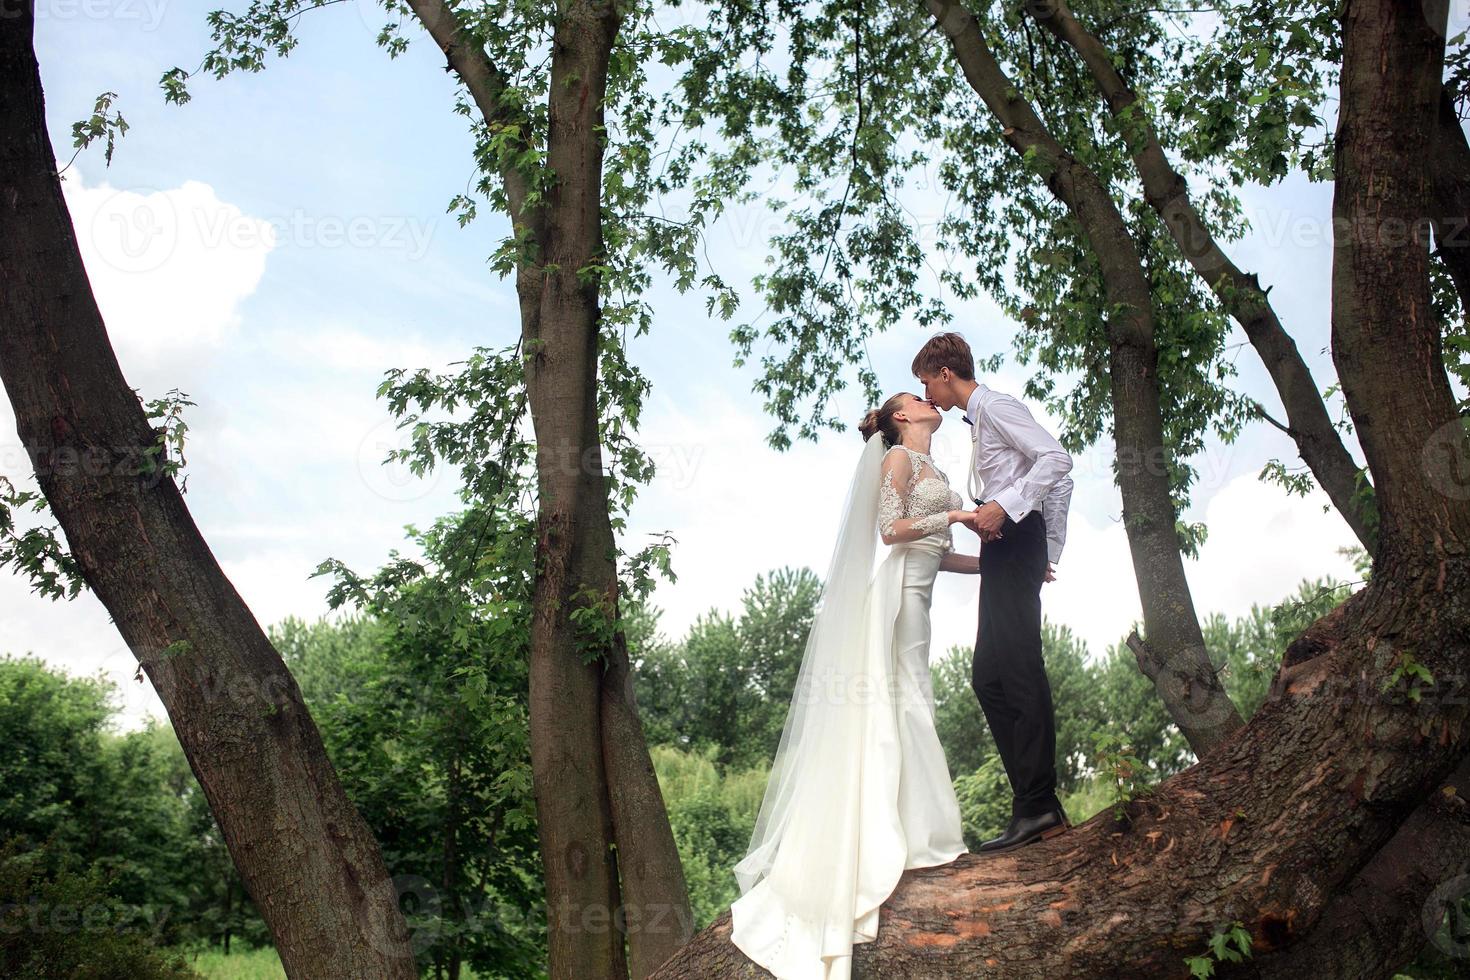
(60, 920)
(712, 813)
(985, 802)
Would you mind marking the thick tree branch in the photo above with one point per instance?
(487, 85)
(1378, 917)
(1386, 340)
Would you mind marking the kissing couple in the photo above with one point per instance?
(859, 789)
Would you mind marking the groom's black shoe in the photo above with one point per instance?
(1025, 830)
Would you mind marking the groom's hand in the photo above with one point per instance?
(1051, 573)
(989, 519)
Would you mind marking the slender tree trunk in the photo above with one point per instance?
(1174, 655)
(1308, 423)
(656, 910)
(1329, 804)
(303, 852)
(560, 340)
(612, 865)
(1450, 211)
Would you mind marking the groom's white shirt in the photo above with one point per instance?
(1020, 463)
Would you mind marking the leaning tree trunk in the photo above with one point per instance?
(1307, 817)
(612, 865)
(1167, 192)
(304, 853)
(1173, 655)
(1450, 212)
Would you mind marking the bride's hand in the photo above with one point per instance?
(965, 517)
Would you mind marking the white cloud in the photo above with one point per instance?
(77, 636)
(736, 506)
(276, 583)
(169, 268)
(1262, 543)
(347, 348)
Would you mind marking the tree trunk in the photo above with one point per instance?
(1167, 192)
(1320, 809)
(656, 908)
(612, 865)
(1385, 341)
(1451, 196)
(1175, 656)
(303, 852)
(574, 815)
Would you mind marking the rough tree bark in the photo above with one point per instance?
(1319, 811)
(304, 853)
(612, 866)
(1174, 655)
(1167, 192)
(1383, 327)
(1450, 213)
(1377, 918)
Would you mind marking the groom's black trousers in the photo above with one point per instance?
(1007, 674)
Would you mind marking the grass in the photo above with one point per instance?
(249, 964)
(254, 964)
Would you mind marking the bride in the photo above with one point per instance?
(859, 789)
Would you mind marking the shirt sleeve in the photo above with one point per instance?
(1054, 512)
(1050, 462)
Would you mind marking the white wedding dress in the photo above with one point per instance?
(860, 789)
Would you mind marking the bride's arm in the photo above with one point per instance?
(893, 493)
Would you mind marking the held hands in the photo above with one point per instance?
(988, 520)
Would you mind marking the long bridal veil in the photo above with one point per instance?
(859, 789)
(816, 762)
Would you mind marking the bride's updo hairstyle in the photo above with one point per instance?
(881, 420)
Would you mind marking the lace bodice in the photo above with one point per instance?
(913, 487)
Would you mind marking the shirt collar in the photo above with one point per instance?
(972, 407)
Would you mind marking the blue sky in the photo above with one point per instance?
(276, 244)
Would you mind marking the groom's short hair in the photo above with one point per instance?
(945, 350)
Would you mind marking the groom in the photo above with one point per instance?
(1022, 521)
